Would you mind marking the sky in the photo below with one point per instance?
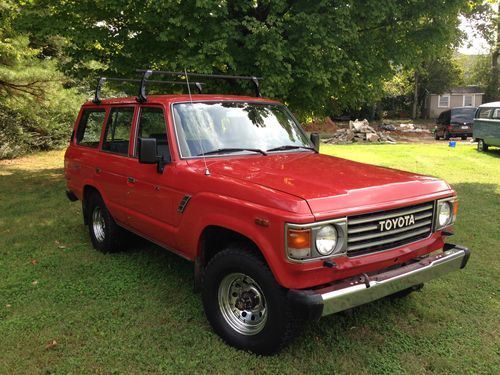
(474, 44)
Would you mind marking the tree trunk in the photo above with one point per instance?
(495, 56)
(415, 98)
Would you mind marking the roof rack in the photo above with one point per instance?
(141, 97)
(253, 79)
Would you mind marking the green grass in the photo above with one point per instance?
(135, 312)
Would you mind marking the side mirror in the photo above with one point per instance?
(148, 153)
(315, 140)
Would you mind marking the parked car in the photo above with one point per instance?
(487, 126)
(279, 234)
(455, 122)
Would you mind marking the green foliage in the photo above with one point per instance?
(37, 109)
(475, 69)
(319, 56)
(439, 75)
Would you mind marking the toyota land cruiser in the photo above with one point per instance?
(279, 234)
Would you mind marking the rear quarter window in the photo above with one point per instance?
(89, 128)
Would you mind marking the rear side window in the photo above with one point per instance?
(484, 112)
(152, 125)
(89, 128)
(496, 114)
(117, 135)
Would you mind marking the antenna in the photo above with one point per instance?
(207, 172)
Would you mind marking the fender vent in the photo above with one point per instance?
(183, 203)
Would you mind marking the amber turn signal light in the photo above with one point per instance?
(299, 238)
(299, 243)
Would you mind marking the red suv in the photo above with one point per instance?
(279, 234)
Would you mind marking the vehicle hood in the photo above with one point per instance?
(329, 184)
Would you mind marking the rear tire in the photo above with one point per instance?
(446, 135)
(481, 146)
(105, 234)
(245, 305)
(436, 136)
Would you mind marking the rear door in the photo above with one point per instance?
(154, 197)
(115, 162)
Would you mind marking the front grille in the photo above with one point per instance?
(369, 233)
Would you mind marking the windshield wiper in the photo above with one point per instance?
(290, 147)
(228, 150)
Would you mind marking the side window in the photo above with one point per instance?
(118, 128)
(496, 114)
(484, 113)
(152, 125)
(89, 128)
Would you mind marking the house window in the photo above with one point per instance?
(443, 101)
(468, 100)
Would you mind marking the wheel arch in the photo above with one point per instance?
(215, 238)
(87, 191)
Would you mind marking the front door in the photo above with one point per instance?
(153, 196)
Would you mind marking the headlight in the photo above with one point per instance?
(326, 239)
(444, 213)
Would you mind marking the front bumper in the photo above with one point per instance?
(348, 293)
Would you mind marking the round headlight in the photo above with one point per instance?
(326, 239)
(444, 214)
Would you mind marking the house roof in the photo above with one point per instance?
(466, 90)
(458, 90)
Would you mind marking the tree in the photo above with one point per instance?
(319, 56)
(485, 17)
(36, 112)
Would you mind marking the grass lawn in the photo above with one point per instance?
(65, 308)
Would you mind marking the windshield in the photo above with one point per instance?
(463, 114)
(235, 127)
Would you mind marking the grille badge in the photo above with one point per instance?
(396, 223)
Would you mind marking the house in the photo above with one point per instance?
(464, 96)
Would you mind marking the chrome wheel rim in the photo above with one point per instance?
(98, 224)
(242, 304)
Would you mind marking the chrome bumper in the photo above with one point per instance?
(362, 289)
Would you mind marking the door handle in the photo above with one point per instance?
(131, 180)
(98, 170)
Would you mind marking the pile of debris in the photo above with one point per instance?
(404, 128)
(359, 131)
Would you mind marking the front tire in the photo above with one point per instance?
(105, 234)
(436, 136)
(481, 146)
(245, 305)
(446, 135)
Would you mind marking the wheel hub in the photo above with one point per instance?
(247, 300)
